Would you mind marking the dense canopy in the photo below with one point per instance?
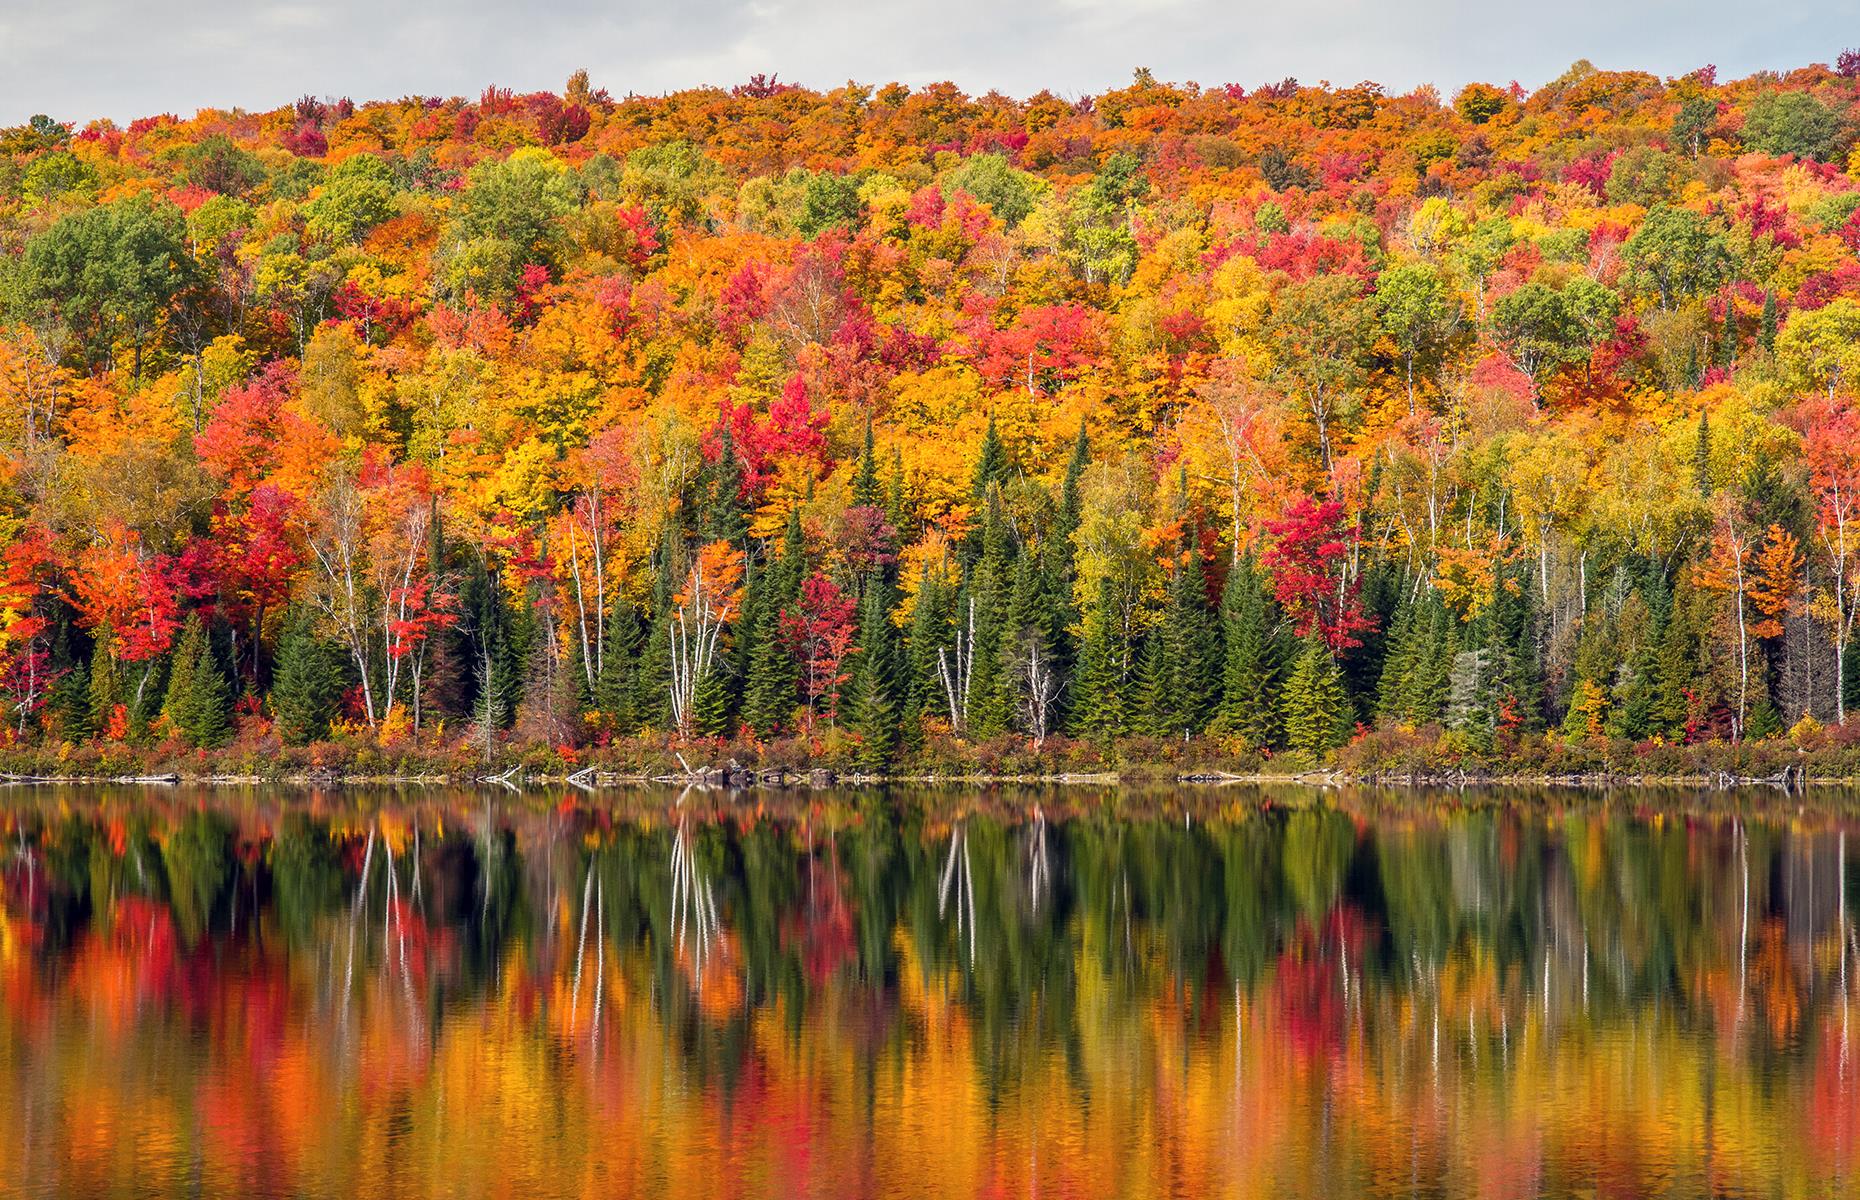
(881, 415)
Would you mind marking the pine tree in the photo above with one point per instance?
(1317, 709)
(1766, 333)
(615, 688)
(1643, 617)
(1034, 626)
(105, 690)
(897, 501)
(307, 684)
(1850, 681)
(1154, 714)
(1398, 661)
(1727, 334)
(866, 491)
(991, 465)
(1180, 684)
(1104, 666)
(1416, 672)
(67, 702)
(1512, 650)
(494, 646)
(652, 699)
(1252, 661)
(1764, 721)
(931, 630)
(989, 705)
(197, 708)
(710, 704)
(1676, 670)
(1071, 495)
(1701, 457)
(720, 494)
(872, 694)
(770, 689)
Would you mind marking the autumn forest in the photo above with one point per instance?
(895, 429)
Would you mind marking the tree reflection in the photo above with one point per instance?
(1358, 957)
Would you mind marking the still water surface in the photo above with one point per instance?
(1214, 992)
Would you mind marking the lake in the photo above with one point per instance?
(1230, 991)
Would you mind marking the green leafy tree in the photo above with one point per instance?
(111, 273)
(1543, 329)
(993, 181)
(1419, 315)
(1795, 123)
(1676, 254)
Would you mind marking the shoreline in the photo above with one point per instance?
(592, 781)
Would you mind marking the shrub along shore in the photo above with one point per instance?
(1821, 756)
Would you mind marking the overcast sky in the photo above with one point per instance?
(79, 59)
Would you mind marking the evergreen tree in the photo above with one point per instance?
(1400, 660)
(1643, 617)
(616, 692)
(105, 689)
(1059, 563)
(1253, 658)
(1071, 496)
(710, 704)
(1513, 652)
(1676, 668)
(1764, 721)
(1766, 332)
(720, 494)
(1105, 668)
(1727, 334)
(991, 465)
(68, 703)
(1034, 625)
(652, 699)
(866, 491)
(1153, 715)
(770, 688)
(1701, 457)
(989, 706)
(897, 502)
(198, 708)
(932, 627)
(1850, 680)
(307, 684)
(1317, 708)
(495, 646)
(1180, 681)
(1427, 677)
(872, 694)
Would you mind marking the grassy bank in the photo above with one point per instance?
(1389, 755)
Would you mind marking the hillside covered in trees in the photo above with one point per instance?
(884, 426)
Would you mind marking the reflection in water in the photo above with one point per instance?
(1061, 993)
